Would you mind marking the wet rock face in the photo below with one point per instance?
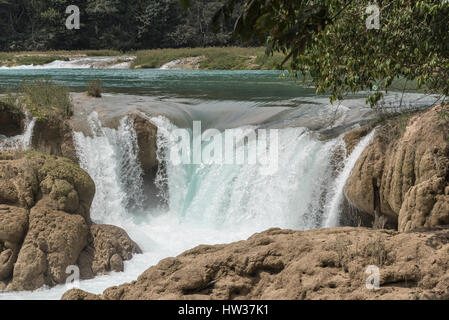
(54, 136)
(286, 264)
(45, 223)
(147, 141)
(11, 121)
(402, 178)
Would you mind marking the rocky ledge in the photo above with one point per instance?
(45, 224)
(401, 180)
(285, 264)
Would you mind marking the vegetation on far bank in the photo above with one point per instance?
(12, 59)
(19, 59)
(95, 88)
(215, 58)
(42, 98)
(104, 24)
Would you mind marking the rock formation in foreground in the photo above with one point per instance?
(285, 264)
(45, 224)
(401, 180)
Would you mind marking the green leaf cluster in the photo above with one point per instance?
(328, 42)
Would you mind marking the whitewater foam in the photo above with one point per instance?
(110, 158)
(333, 207)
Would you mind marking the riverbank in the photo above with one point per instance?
(213, 58)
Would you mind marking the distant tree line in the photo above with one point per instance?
(111, 24)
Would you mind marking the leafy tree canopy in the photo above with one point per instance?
(110, 24)
(329, 41)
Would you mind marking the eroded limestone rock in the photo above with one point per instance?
(45, 223)
(285, 264)
(402, 177)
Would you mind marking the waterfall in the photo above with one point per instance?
(111, 158)
(19, 142)
(238, 196)
(305, 193)
(206, 204)
(333, 206)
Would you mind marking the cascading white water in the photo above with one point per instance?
(206, 204)
(19, 142)
(218, 197)
(110, 157)
(232, 200)
(238, 197)
(335, 199)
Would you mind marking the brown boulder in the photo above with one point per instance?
(108, 247)
(45, 223)
(285, 264)
(401, 177)
(18, 183)
(353, 137)
(53, 242)
(147, 140)
(64, 183)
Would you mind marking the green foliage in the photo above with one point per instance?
(101, 53)
(328, 41)
(122, 25)
(95, 88)
(44, 99)
(217, 58)
(38, 60)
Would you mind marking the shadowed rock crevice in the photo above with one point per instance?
(12, 121)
